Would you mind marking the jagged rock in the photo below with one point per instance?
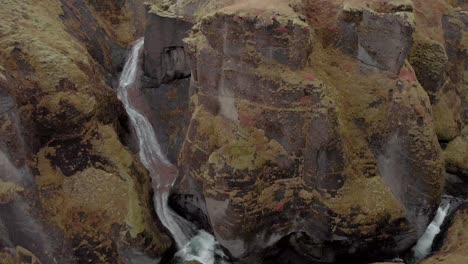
(441, 72)
(287, 147)
(283, 39)
(105, 28)
(381, 40)
(455, 26)
(165, 59)
(166, 68)
(291, 145)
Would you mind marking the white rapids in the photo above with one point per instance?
(423, 247)
(192, 246)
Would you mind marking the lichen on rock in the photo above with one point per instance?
(58, 61)
(314, 144)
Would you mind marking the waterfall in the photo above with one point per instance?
(423, 247)
(193, 246)
(19, 225)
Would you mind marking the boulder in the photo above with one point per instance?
(456, 156)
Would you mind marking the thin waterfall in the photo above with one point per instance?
(149, 150)
(19, 222)
(423, 247)
(193, 246)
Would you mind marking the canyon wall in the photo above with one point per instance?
(314, 128)
(311, 130)
(65, 172)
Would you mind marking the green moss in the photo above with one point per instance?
(135, 212)
(446, 116)
(456, 155)
(234, 146)
(250, 153)
(429, 61)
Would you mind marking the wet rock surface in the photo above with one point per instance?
(455, 243)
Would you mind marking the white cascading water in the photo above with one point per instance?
(18, 221)
(200, 247)
(423, 247)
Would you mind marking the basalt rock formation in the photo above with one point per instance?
(314, 127)
(70, 190)
(304, 131)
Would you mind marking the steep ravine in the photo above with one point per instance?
(247, 131)
(191, 244)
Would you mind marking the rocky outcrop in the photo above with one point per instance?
(302, 129)
(105, 28)
(439, 59)
(60, 137)
(295, 148)
(165, 58)
(456, 156)
(166, 81)
(381, 40)
(439, 67)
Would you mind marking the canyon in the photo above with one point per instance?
(233, 131)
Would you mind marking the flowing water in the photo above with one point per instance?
(19, 223)
(193, 244)
(423, 247)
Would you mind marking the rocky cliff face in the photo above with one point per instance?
(64, 170)
(304, 130)
(309, 122)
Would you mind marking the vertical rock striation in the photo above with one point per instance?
(304, 137)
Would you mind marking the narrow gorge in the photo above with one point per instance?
(233, 131)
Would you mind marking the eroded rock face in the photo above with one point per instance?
(299, 128)
(165, 58)
(439, 59)
(82, 191)
(294, 144)
(166, 81)
(381, 40)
